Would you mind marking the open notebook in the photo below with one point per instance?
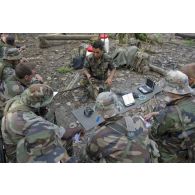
(128, 99)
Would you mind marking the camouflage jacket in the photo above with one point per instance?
(6, 70)
(174, 131)
(2, 45)
(17, 121)
(14, 86)
(114, 143)
(99, 68)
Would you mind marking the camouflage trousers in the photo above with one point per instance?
(94, 86)
(141, 62)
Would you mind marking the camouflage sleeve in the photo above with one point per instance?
(12, 89)
(163, 123)
(7, 72)
(111, 64)
(92, 151)
(42, 123)
(87, 63)
(154, 132)
(1, 50)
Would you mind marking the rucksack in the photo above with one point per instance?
(78, 57)
(78, 62)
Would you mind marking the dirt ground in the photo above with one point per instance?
(170, 54)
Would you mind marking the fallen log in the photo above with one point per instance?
(158, 70)
(186, 35)
(43, 39)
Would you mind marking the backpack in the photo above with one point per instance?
(78, 57)
(78, 62)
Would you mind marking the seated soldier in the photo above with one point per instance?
(25, 75)
(21, 115)
(8, 41)
(11, 58)
(189, 70)
(41, 146)
(17, 83)
(7, 68)
(119, 139)
(173, 127)
(96, 68)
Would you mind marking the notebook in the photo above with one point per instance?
(128, 99)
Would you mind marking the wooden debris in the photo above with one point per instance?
(158, 70)
(186, 35)
(43, 39)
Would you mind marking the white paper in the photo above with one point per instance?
(128, 99)
(55, 93)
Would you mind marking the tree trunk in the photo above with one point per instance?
(186, 35)
(158, 70)
(43, 39)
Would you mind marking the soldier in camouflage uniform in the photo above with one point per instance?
(41, 146)
(173, 127)
(23, 78)
(189, 70)
(131, 57)
(120, 139)
(96, 69)
(11, 58)
(7, 68)
(8, 41)
(20, 116)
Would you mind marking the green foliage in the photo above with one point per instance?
(141, 36)
(189, 42)
(64, 69)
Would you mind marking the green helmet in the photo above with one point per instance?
(12, 54)
(37, 95)
(40, 146)
(107, 104)
(177, 82)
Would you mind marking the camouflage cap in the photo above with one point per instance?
(107, 104)
(37, 95)
(177, 82)
(12, 54)
(40, 146)
(189, 70)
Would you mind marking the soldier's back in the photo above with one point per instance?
(13, 87)
(114, 143)
(174, 131)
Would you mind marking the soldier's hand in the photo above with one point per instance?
(109, 81)
(39, 78)
(23, 60)
(149, 116)
(70, 132)
(88, 76)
